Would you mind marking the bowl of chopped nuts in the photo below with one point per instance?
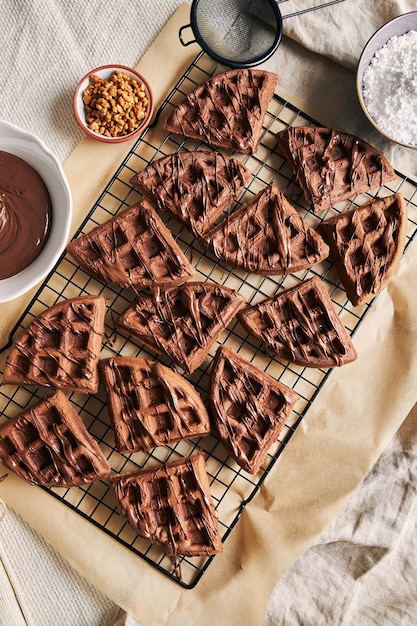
(113, 103)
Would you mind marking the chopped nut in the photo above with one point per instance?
(114, 107)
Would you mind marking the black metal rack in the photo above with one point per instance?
(232, 489)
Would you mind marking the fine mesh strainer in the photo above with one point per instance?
(238, 33)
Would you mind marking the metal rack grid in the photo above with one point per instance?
(231, 487)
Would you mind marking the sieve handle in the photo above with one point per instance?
(185, 43)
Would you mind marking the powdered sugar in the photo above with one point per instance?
(390, 88)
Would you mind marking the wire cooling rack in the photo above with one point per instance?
(232, 488)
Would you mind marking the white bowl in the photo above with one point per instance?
(106, 71)
(396, 27)
(32, 150)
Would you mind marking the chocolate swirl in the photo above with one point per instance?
(47, 444)
(182, 322)
(301, 325)
(332, 166)
(171, 506)
(226, 110)
(25, 214)
(195, 187)
(150, 404)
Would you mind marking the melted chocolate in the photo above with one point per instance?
(171, 506)
(195, 187)
(226, 110)
(183, 322)
(150, 404)
(301, 325)
(25, 214)
(47, 444)
(331, 166)
(267, 236)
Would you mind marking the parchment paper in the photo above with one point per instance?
(342, 435)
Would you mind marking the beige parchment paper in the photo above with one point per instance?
(347, 427)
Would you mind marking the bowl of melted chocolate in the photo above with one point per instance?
(35, 211)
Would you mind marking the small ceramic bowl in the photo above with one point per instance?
(32, 150)
(396, 27)
(106, 72)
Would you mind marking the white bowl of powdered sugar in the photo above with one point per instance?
(386, 80)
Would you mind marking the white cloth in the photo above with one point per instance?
(48, 46)
(38, 588)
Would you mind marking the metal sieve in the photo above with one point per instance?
(238, 33)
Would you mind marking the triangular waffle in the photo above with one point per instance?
(183, 322)
(150, 404)
(248, 408)
(366, 244)
(267, 236)
(331, 166)
(132, 249)
(227, 110)
(47, 444)
(171, 506)
(195, 187)
(61, 347)
(301, 324)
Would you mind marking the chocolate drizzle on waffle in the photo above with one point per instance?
(171, 506)
(151, 405)
(267, 236)
(227, 110)
(132, 249)
(182, 322)
(331, 166)
(366, 244)
(248, 408)
(195, 187)
(301, 324)
(61, 347)
(47, 444)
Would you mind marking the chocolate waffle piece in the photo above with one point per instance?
(227, 110)
(183, 322)
(267, 236)
(132, 249)
(47, 444)
(366, 244)
(301, 325)
(171, 506)
(331, 166)
(61, 347)
(248, 408)
(150, 404)
(195, 187)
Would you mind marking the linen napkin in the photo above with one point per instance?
(362, 569)
(340, 31)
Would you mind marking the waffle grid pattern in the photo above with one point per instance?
(140, 246)
(232, 489)
(66, 343)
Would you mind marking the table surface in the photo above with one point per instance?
(47, 47)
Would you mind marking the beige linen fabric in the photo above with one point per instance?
(340, 32)
(362, 569)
